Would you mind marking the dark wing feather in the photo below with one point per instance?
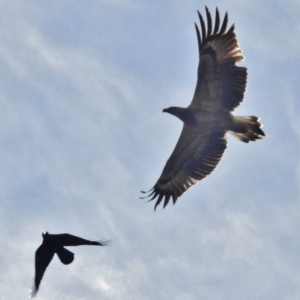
(66, 239)
(209, 22)
(196, 154)
(43, 257)
(221, 84)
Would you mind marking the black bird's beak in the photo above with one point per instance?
(165, 110)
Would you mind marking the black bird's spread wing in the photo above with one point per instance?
(196, 155)
(221, 84)
(43, 257)
(66, 239)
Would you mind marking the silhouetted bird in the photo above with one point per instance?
(54, 243)
(220, 89)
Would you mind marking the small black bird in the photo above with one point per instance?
(54, 243)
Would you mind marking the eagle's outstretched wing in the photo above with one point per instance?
(196, 155)
(221, 84)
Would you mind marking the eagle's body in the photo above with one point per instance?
(54, 244)
(220, 89)
(203, 119)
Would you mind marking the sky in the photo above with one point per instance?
(82, 89)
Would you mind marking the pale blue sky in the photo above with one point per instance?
(83, 85)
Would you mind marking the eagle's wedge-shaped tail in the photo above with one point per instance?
(247, 129)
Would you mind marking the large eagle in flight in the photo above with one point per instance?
(220, 89)
(55, 243)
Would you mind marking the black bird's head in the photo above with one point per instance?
(45, 233)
